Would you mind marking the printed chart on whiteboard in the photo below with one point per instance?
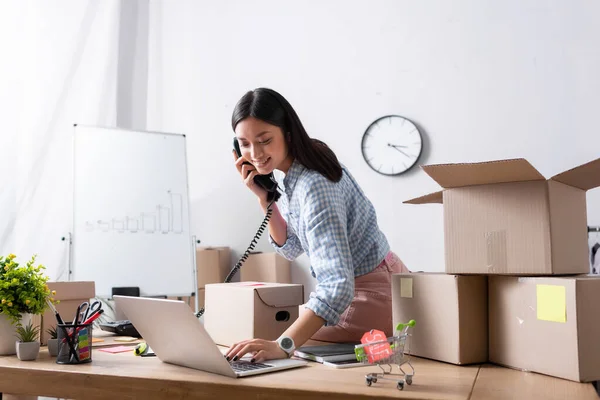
(131, 211)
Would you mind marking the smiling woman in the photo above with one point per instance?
(322, 212)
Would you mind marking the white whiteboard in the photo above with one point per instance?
(131, 212)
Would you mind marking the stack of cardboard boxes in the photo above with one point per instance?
(262, 305)
(515, 291)
(213, 264)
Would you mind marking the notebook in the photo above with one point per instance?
(328, 352)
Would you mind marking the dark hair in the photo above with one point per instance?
(271, 107)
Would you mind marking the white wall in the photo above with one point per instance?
(58, 68)
(483, 79)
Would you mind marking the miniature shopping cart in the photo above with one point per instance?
(388, 351)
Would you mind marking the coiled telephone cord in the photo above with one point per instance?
(244, 257)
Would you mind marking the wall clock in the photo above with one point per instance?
(392, 145)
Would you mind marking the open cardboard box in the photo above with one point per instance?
(504, 217)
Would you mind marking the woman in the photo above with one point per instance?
(322, 212)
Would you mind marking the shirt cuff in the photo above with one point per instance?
(323, 310)
(291, 249)
(278, 247)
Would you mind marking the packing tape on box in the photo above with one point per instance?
(496, 251)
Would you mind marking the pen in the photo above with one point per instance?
(74, 339)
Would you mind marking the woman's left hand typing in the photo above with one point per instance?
(260, 349)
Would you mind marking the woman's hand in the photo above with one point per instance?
(259, 348)
(248, 172)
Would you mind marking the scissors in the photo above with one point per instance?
(86, 310)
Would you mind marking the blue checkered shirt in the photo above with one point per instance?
(336, 225)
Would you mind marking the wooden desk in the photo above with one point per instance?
(126, 376)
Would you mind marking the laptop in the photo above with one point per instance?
(177, 337)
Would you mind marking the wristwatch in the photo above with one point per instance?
(286, 344)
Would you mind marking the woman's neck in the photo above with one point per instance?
(286, 164)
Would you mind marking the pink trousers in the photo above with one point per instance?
(371, 307)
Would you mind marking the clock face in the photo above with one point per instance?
(391, 145)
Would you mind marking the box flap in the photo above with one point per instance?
(471, 174)
(281, 296)
(437, 197)
(585, 177)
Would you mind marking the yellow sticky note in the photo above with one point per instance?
(406, 287)
(125, 339)
(551, 303)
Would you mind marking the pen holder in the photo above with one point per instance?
(74, 344)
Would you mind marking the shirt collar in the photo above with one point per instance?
(290, 179)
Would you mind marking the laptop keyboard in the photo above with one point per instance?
(242, 365)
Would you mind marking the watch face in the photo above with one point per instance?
(392, 145)
(287, 343)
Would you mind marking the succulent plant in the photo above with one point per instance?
(28, 333)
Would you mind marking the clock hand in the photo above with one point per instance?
(396, 148)
(397, 145)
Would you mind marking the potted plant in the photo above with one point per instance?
(52, 342)
(23, 293)
(28, 346)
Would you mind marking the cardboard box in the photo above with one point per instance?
(450, 312)
(266, 267)
(504, 217)
(71, 295)
(548, 325)
(248, 310)
(212, 264)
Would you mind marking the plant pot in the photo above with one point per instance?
(27, 351)
(8, 333)
(53, 347)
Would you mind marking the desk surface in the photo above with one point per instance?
(136, 377)
(495, 383)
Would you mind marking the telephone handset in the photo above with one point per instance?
(267, 182)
